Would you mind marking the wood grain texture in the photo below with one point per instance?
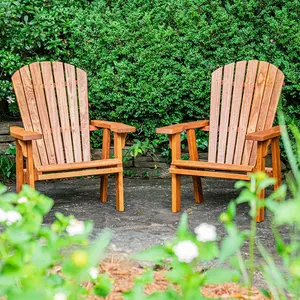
(52, 110)
(105, 155)
(84, 113)
(33, 112)
(40, 99)
(239, 77)
(276, 163)
(225, 111)
(19, 91)
(176, 153)
(256, 106)
(89, 172)
(59, 79)
(193, 153)
(265, 134)
(245, 110)
(189, 172)
(211, 166)
(73, 109)
(80, 165)
(215, 96)
(19, 168)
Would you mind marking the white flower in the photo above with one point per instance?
(12, 217)
(75, 227)
(22, 200)
(3, 215)
(10, 100)
(60, 296)
(186, 251)
(206, 232)
(94, 273)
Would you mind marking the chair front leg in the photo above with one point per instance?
(30, 165)
(193, 153)
(105, 155)
(276, 162)
(19, 167)
(262, 151)
(119, 143)
(175, 145)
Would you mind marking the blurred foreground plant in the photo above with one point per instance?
(46, 262)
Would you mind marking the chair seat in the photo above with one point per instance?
(189, 164)
(103, 163)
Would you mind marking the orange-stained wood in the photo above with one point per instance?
(105, 155)
(19, 167)
(23, 135)
(244, 98)
(53, 101)
(193, 153)
(172, 129)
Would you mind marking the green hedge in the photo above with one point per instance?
(149, 62)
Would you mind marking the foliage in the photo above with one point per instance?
(7, 164)
(31, 253)
(281, 276)
(149, 62)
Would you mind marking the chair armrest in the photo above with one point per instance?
(177, 128)
(264, 135)
(113, 126)
(23, 135)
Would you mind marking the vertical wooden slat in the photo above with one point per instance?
(274, 99)
(52, 109)
(235, 110)
(193, 153)
(255, 109)
(84, 113)
(42, 110)
(33, 112)
(214, 113)
(105, 155)
(73, 108)
(59, 78)
(19, 91)
(245, 111)
(225, 111)
(269, 85)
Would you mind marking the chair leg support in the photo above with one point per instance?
(262, 151)
(276, 162)
(30, 166)
(175, 193)
(198, 192)
(103, 188)
(119, 192)
(19, 168)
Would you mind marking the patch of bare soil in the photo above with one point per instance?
(124, 271)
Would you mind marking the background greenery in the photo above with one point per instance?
(149, 62)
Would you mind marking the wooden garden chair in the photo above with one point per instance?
(55, 140)
(244, 99)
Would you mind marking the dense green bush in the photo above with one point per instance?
(149, 61)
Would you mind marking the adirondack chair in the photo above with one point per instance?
(244, 99)
(55, 140)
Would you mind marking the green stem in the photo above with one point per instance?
(251, 251)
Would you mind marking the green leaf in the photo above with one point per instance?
(103, 285)
(221, 275)
(230, 245)
(156, 254)
(17, 236)
(183, 230)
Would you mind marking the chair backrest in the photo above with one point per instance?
(53, 100)
(244, 99)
